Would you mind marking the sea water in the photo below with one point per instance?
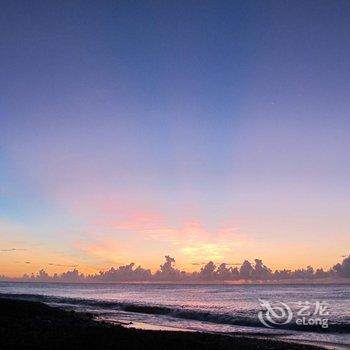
(228, 309)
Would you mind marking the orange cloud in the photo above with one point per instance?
(143, 235)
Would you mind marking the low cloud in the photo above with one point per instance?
(343, 269)
(61, 265)
(247, 271)
(12, 250)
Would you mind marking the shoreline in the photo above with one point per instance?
(322, 345)
(35, 325)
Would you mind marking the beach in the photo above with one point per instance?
(34, 325)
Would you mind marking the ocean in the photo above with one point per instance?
(304, 313)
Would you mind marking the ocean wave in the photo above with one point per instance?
(181, 313)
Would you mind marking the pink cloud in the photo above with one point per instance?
(126, 237)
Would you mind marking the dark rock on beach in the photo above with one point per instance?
(33, 325)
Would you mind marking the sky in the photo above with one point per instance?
(203, 130)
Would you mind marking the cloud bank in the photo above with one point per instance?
(247, 271)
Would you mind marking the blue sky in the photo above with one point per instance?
(206, 130)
